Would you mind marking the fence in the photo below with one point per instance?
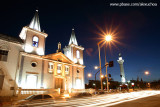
(82, 90)
(26, 92)
(21, 93)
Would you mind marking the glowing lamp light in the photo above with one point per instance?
(108, 38)
(66, 96)
(102, 76)
(89, 75)
(146, 72)
(96, 67)
(132, 84)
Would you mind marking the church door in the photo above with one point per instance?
(31, 81)
(59, 83)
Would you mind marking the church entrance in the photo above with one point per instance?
(31, 81)
(59, 83)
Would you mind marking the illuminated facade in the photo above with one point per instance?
(23, 62)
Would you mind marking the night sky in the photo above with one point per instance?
(137, 31)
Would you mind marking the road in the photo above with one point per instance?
(136, 99)
(152, 101)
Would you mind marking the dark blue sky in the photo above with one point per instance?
(137, 28)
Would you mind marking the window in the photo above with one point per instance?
(67, 69)
(78, 54)
(34, 64)
(3, 55)
(38, 97)
(47, 96)
(35, 41)
(30, 97)
(50, 67)
(1, 79)
(77, 71)
(59, 67)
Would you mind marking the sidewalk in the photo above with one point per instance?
(7, 101)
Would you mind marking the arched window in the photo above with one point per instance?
(78, 54)
(35, 41)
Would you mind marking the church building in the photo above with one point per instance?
(23, 62)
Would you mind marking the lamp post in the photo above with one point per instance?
(106, 70)
(100, 65)
(108, 38)
(89, 75)
(148, 83)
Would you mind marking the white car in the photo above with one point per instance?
(35, 100)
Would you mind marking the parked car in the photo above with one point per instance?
(84, 94)
(34, 99)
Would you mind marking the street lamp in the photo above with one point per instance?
(102, 76)
(96, 67)
(100, 64)
(108, 38)
(146, 72)
(89, 75)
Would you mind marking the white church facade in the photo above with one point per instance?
(23, 62)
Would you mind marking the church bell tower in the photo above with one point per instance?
(34, 39)
(73, 51)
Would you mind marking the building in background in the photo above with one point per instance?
(23, 62)
(122, 75)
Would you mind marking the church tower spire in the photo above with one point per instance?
(73, 51)
(34, 39)
(35, 24)
(73, 38)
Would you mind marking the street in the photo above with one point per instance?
(152, 101)
(139, 99)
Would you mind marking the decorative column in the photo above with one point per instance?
(121, 61)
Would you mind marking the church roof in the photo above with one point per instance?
(35, 24)
(11, 39)
(73, 38)
(58, 57)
